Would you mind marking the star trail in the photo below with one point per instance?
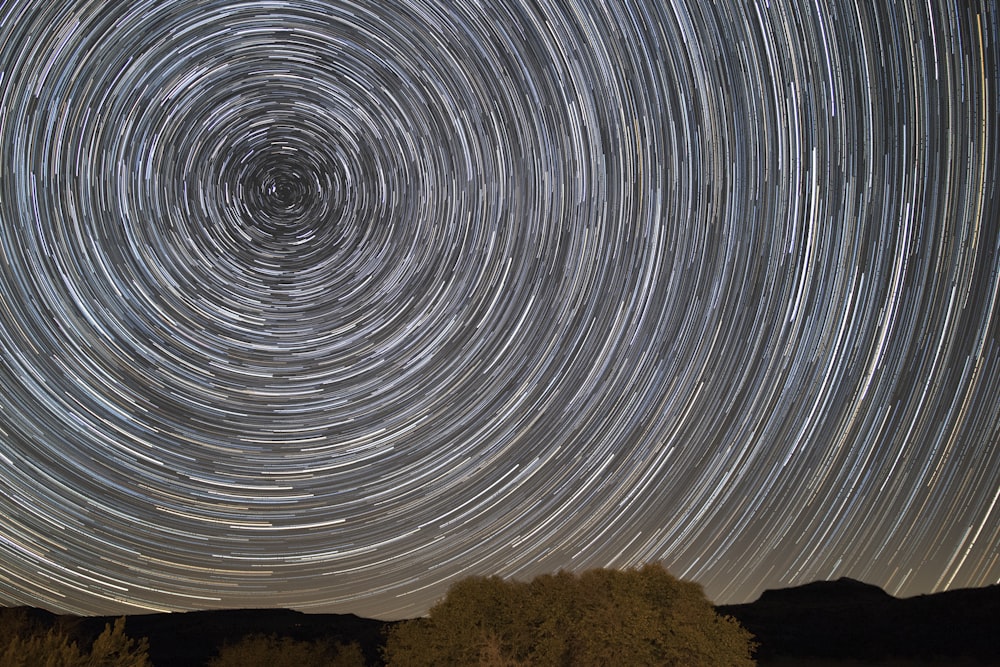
(325, 304)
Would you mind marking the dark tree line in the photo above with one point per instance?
(601, 618)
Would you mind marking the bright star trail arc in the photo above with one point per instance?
(324, 305)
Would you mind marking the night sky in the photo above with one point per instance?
(327, 304)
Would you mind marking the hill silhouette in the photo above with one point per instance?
(851, 620)
(818, 623)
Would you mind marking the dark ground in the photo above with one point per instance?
(192, 638)
(852, 624)
(842, 623)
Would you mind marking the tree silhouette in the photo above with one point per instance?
(600, 618)
(273, 651)
(30, 646)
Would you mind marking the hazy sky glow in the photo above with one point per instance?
(323, 304)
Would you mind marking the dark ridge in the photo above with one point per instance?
(818, 623)
(829, 592)
(851, 620)
(191, 639)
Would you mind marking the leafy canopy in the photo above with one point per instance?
(599, 618)
(27, 645)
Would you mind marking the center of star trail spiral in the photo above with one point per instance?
(324, 304)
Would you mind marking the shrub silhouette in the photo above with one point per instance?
(26, 645)
(273, 651)
(600, 618)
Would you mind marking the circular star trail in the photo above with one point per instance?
(324, 304)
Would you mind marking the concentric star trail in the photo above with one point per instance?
(324, 304)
